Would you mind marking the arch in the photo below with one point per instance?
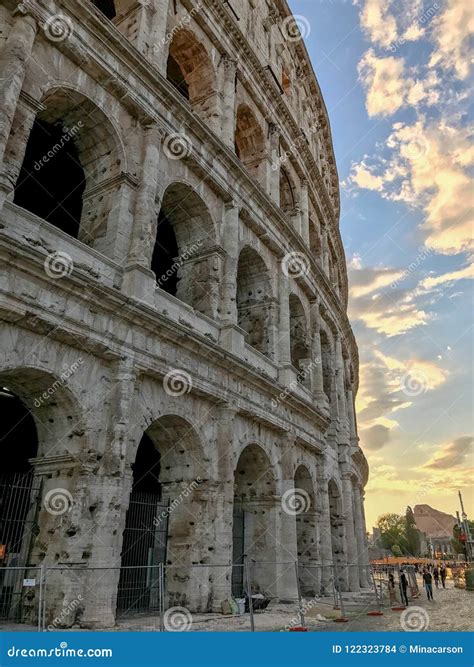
(254, 519)
(163, 516)
(306, 532)
(299, 338)
(287, 192)
(107, 7)
(254, 307)
(181, 260)
(191, 71)
(249, 140)
(72, 152)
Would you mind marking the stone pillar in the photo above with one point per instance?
(325, 540)
(343, 425)
(304, 206)
(360, 537)
(231, 337)
(317, 378)
(325, 249)
(351, 544)
(286, 542)
(13, 58)
(139, 280)
(224, 504)
(228, 101)
(272, 184)
(159, 41)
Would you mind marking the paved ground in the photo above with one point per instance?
(452, 609)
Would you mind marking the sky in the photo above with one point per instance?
(395, 77)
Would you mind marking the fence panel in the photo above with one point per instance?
(21, 595)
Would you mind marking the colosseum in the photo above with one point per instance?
(178, 371)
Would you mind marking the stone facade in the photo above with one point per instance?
(183, 277)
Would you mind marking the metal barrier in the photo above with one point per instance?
(21, 596)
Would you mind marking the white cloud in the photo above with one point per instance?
(452, 32)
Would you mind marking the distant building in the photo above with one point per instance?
(438, 528)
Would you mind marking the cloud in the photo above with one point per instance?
(457, 453)
(427, 168)
(377, 22)
(375, 437)
(461, 274)
(389, 86)
(452, 32)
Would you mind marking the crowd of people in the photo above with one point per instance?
(431, 572)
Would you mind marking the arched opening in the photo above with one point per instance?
(249, 140)
(190, 70)
(337, 532)
(287, 192)
(107, 7)
(18, 498)
(162, 520)
(299, 340)
(254, 521)
(306, 533)
(181, 260)
(72, 151)
(254, 307)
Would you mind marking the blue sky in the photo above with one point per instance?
(395, 76)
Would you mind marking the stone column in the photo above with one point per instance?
(343, 430)
(325, 540)
(159, 40)
(325, 249)
(304, 205)
(286, 374)
(228, 101)
(317, 377)
(272, 185)
(286, 542)
(139, 280)
(351, 544)
(232, 338)
(13, 59)
(360, 537)
(224, 504)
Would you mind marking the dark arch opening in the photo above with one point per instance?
(19, 443)
(164, 256)
(107, 7)
(176, 78)
(52, 181)
(146, 469)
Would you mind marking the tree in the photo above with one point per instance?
(393, 531)
(396, 551)
(412, 533)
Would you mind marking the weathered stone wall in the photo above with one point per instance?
(244, 375)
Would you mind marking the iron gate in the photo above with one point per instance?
(144, 547)
(19, 494)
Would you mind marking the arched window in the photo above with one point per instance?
(249, 140)
(181, 260)
(299, 339)
(191, 71)
(72, 151)
(306, 532)
(253, 300)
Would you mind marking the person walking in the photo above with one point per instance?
(428, 582)
(403, 587)
(442, 573)
(391, 590)
(436, 576)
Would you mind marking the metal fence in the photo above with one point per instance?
(272, 596)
